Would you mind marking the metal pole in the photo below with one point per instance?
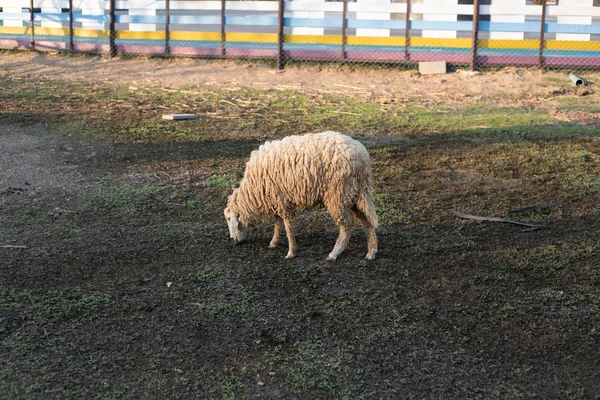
(407, 31)
(280, 36)
(223, 38)
(344, 23)
(71, 46)
(475, 34)
(32, 40)
(167, 32)
(542, 36)
(111, 39)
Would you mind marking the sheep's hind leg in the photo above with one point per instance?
(341, 242)
(293, 246)
(370, 233)
(276, 233)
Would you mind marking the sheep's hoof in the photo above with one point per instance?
(273, 245)
(331, 258)
(370, 256)
(290, 256)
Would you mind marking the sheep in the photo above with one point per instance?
(304, 171)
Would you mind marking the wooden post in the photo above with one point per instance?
(475, 34)
(167, 27)
(542, 36)
(344, 24)
(223, 33)
(111, 28)
(407, 31)
(280, 35)
(32, 40)
(71, 46)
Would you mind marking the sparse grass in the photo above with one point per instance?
(580, 103)
(220, 181)
(248, 113)
(562, 82)
(132, 290)
(389, 209)
(308, 367)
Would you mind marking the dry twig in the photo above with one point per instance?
(230, 103)
(536, 207)
(349, 87)
(494, 219)
(347, 113)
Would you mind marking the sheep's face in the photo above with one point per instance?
(237, 230)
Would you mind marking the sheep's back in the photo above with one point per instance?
(302, 170)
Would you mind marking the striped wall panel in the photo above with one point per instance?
(312, 29)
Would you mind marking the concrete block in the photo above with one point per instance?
(432, 67)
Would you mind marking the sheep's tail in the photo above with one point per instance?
(366, 206)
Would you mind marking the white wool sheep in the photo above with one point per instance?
(303, 171)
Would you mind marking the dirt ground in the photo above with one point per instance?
(117, 278)
(177, 73)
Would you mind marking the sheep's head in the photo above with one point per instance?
(237, 230)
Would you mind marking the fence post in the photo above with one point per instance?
(542, 36)
(32, 40)
(407, 31)
(280, 36)
(111, 27)
(344, 23)
(167, 31)
(475, 35)
(71, 46)
(223, 34)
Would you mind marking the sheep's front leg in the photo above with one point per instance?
(341, 243)
(276, 233)
(293, 246)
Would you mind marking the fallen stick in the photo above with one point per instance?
(535, 228)
(349, 87)
(230, 103)
(494, 219)
(346, 113)
(536, 207)
(9, 246)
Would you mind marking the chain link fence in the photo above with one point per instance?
(468, 33)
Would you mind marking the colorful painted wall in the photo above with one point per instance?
(509, 31)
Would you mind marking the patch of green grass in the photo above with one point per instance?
(220, 181)
(204, 275)
(121, 196)
(123, 93)
(233, 303)
(581, 103)
(475, 117)
(553, 131)
(389, 210)
(228, 388)
(572, 167)
(59, 306)
(310, 366)
(560, 82)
